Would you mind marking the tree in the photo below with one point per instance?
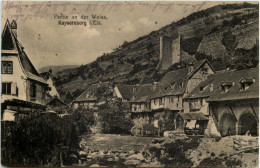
(115, 118)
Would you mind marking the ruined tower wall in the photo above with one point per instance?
(176, 50)
(169, 52)
(165, 52)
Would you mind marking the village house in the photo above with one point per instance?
(52, 91)
(57, 105)
(95, 95)
(175, 85)
(234, 105)
(140, 104)
(22, 86)
(196, 108)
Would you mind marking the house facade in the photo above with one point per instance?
(20, 79)
(51, 91)
(234, 105)
(140, 104)
(175, 85)
(95, 95)
(195, 103)
(21, 83)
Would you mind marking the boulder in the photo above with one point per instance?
(156, 145)
(131, 152)
(123, 155)
(94, 165)
(138, 156)
(158, 140)
(116, 159)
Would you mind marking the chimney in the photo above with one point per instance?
(14, 27)
(191, 67)
(211, 87)
(154, 85)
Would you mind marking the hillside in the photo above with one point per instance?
(227, 35)
(56, 69)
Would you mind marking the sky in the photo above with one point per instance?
(49, 43)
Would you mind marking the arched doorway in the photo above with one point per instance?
(248, 122)
(228, 124)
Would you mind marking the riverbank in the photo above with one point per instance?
(124, 150)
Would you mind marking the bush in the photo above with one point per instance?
(220, 162)
(176, 150)
(85, 119)
(38, 139)
(149, 129)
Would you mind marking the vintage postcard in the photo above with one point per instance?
(129, 84)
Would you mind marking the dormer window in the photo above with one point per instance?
(225, 86)
(245, 83)
(201, 88)
(205, 70)
(172, 86)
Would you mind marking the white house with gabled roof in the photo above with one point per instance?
(20, 81)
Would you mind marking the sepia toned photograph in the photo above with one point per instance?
(130, 84)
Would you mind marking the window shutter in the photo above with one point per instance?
(13, 89)
(31, 90)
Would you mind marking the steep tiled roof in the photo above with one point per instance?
(235, 92)
(142, 93)
(126, 91)
(178, 79)
(27, 66)
(91, 93)
(35, 77)
(203, 88)
(192, 116)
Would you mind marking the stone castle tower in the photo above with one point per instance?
(170, 52)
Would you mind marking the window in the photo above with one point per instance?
(7, 67)
(33, 90)
(171, 100)
(205, 70)
(154, 101)
(6, 88)
(43, 93)
(160, 101)
(225, 86)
